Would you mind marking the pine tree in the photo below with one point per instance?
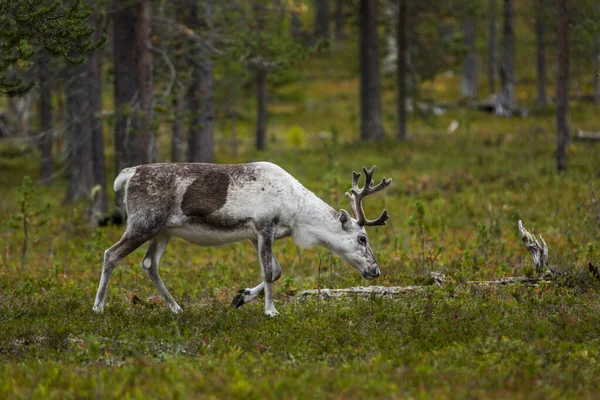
(28, 27)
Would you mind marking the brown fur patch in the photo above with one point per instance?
(150, 196)
(207, 194)
(152, 190)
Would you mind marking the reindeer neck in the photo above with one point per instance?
(316, 222)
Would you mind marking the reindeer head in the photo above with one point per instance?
(353, 245)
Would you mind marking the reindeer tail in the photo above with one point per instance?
(123, 178)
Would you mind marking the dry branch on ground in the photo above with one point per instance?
(584, 136)
(538, 251)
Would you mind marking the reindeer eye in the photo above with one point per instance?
(362, 239)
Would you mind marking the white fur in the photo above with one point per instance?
(123, 178)
(271, 204)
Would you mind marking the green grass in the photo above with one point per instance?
(450, 342)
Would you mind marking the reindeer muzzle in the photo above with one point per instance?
(371, 273)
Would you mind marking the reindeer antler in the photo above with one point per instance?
(358, 195)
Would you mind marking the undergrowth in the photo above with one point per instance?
(454, 203)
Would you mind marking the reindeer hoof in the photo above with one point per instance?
(271, 312)
(239, 300)
(176, 309)
(98, 309)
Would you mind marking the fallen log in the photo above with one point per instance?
(494, 104)
(538, 251)
(395, 291)
(361, 291)
(584, 136)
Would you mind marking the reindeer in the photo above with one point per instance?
(211, 205)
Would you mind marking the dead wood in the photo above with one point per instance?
(361, 291)
(584, 136)
(538, 251)
(396, 291)
(495, 104)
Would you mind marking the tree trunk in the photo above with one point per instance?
(178, 128)
(19, 110)
(371, 127)
(597, 69)
(194, 93)
(401, 68)
(261, 85)
(79, 144)
(261, 108)
(542, 97)
(61, 109)
(134, 138)
(492, 46)
(201, 135)
(339, 18)
(207, 113)
(469, 67)
(125, 87)
(295, 24)
(178, 153)
(144, 68)
(507, 70)
(445, 28)
(562, 86)
(47, 162)
(321, 19)
(94, 82)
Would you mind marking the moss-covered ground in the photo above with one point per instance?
(454, 205)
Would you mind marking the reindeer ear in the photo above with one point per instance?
(344, 217)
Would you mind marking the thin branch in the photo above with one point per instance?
(189, 33)
(587, 136)
(257, 62)
(171, 69)
(395, 291)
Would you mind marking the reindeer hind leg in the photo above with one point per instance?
(125, 246)
(150, 263)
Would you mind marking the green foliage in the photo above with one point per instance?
(463, 194)
(29, 28)
(584, 31)
(256, 36)
(513, 341)
(30, 215)
(332, 174)
(296, 137)
(431, 51)
(331, 143)
(429, 250)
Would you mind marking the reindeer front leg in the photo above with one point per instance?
(246, 295)
(265, 255)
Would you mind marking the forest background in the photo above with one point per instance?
(483, 113)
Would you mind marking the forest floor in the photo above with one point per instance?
(454, 205)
